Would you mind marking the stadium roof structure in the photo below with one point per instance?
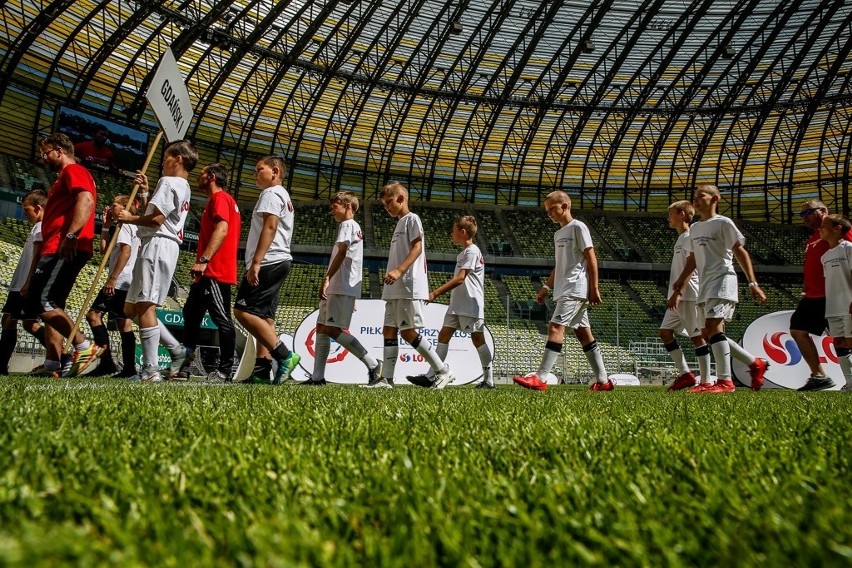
(626, 105)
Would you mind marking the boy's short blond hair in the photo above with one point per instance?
(559, 196)
(468, 223)
(123, 200)
(392, 188)
(274, 162)
(840, 221)
(684, 206)
(34, 197)
(349, 198)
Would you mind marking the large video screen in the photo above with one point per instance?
(103, 145)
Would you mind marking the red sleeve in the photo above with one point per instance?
(79, 179)
(220, 208)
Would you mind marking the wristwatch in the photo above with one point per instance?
(71, 236)
(203, 260)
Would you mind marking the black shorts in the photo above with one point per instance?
(809, 316)
(52, 282)
(262, 300)
(15, 306)
(112, 305)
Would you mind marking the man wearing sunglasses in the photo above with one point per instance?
(809, 317)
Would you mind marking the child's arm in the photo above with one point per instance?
(332, 269)
(395, 274)
(106, 218)
(120, 263)
(267, 234)
(36, 255)
(744, 260)
(449, 285)
(688, 269)
(154, 219)
(545, 288)
(594, 295)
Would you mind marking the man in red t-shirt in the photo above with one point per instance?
(68, 231)
(95, 153)
(809, 317)
(214, 271)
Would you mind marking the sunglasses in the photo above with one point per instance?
(808, 211)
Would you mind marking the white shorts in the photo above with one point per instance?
(153, 271)
(686, 320)
(467, 324)
(840, 326)
(404, 314)
(336, 311)
(717, 308)
(571, 312)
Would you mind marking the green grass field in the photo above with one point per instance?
(99, 472)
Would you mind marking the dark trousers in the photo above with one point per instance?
(208, 295)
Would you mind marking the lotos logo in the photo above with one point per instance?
(782, 352)
(411, 358)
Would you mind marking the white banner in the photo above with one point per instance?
(366, 326)
(169, 98)
(769, 337)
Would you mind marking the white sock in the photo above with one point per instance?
(425, 349)
(704, 367)
(150, 338)
(595, 359)
(846, 368)
(442, 349)
(82, 345)
(485, 358)
(739, 353)
(548, 359)
(721, 352)
(390, 353)
(679, 361)
(348, 341)
(321, 350)
(169, 341)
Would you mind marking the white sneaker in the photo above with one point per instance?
(181, 362)
(381, 383)
(444, 377)
(151, 376)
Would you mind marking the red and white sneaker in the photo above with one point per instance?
(607, 386)
(757, 371)
(721, 387)
(701, 387)
(684, 381)
(530, 381)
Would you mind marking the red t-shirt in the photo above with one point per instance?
(59, 210)
(89, 152)
(223, 266)
(814, 279)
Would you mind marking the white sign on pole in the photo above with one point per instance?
(769, 337)
(366, 326)
(169, 98)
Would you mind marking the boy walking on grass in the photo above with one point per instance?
(837, 265)
(686, 319)
(14, 308)
(268, 261)
(715, 242)
(466, 311)
(340, 288)
(160, 230)
(574, 281)
(406, 288)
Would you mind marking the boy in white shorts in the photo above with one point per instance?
(715, 242)
(113, 295)
(160, 230)
(268, 262)
(686, 319)
(574, 281)
(466, 311)
(340, 287)
(406, 288)
(837, 267)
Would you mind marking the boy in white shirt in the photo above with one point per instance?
(340, 287)
(574, 281)
(466, 311)
(406, 288)
(160, 230)
(268, 262)
(686, 319)
(715, 243)
(837, 266)
(113, 295)
(14, 308)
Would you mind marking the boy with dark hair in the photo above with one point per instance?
(837, 264)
